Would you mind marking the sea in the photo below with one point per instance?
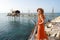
(19, 28)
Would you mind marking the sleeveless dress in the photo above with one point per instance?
(40, 31)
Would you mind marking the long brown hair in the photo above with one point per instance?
(42, 12)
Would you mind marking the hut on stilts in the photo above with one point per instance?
(14, 14)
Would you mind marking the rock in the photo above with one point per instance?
(53, 30)
(57, 19)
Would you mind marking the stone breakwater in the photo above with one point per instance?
(53, 28)
(57, 19)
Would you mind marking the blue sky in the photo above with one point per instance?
(32, 5)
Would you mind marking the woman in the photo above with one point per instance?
(41, 35)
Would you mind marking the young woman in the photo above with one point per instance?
(41, 35)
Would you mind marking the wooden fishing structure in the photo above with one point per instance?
(14, 14)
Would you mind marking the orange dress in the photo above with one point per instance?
(40, 31)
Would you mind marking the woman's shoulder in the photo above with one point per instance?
(43, 16)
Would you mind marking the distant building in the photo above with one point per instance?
(14, 13)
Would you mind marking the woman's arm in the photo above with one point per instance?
(41, 19)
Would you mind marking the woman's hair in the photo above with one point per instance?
(40, 10)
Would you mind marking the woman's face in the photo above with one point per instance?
(39, 12)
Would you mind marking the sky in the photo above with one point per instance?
(32, 5)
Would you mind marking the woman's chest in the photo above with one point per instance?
(39, 19)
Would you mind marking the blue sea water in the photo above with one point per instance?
(20, 27)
